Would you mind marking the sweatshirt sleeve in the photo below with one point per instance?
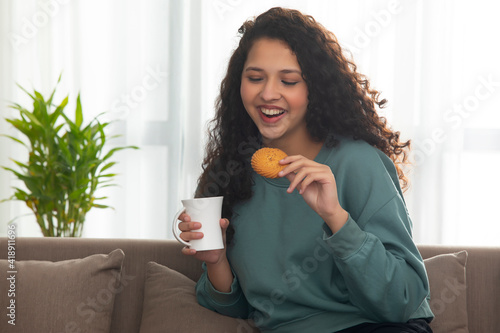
(233, 303)
(381, 266)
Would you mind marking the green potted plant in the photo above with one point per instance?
(67, 164)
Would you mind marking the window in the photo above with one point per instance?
(157, 65)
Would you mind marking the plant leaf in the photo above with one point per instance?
(108, 175)
(22, 165)
(26, 91)
(100, 206)
(107, 166)
(32, 118)
(59, 110)
(78, 112)
(112, 151)
(15, 139)
(49, 102)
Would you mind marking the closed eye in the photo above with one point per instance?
(254, 79)
(289, 83)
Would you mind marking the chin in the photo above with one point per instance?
(271, 138)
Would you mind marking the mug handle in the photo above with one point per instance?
(175, 227)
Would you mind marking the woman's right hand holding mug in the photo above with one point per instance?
(218, 269)
(189, 232)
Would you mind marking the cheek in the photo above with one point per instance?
(299, 99)
(245, 92)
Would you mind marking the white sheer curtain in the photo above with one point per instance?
(138, 61)
(157, 66)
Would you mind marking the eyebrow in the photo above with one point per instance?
(285, 71)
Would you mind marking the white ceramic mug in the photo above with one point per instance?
(208, 212)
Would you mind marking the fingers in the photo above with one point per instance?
(187, 227)
(190, 235)
(224, 223)
(186, 224)
(304, 177)
(188, 251)
(317, 175)
(293, 158)
(187, 234)
(211, 256)
(293, 164)
(301, 172)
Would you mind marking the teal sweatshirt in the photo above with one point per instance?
(292, 275)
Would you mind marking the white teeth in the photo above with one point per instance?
(271, 112)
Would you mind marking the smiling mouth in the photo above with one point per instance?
(271, 113)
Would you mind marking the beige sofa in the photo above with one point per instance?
(142, 297)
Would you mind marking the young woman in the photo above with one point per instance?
(327, 247)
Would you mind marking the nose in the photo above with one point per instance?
(270, 91)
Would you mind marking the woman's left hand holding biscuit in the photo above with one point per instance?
(316, 183)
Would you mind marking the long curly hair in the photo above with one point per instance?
(341, 102)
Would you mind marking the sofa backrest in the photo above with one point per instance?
(483, 273)
(127, 311)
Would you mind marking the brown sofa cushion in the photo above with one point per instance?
(169, 297)
(448, 292)
(170, 305)
(66, 296)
